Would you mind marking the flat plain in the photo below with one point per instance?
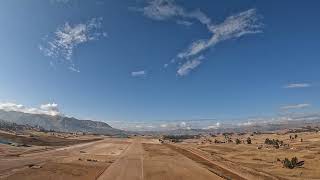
(64, 156)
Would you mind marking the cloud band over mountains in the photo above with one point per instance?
(51, 109)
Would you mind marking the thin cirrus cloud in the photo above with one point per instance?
(185, 23)
(51, 109)
(139, 73)
(189, 65)
(167, 9)
(61, 44)
(295, 106)
(64, 2)
(234, 26)
(215, 126)
(297, 85)
(60, 1)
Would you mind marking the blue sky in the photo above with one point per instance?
(160, 60)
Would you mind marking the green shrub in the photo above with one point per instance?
(249, 140)
(275, 142)
(293, 163)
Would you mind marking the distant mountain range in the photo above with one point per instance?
(301, 123)
(59, 123)
(70, 124)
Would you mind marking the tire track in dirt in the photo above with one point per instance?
(217, 169)
(251, 172)
(214, 168)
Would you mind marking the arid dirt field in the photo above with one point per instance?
(81, 161)
(111, 158)
(260, 159)
(138, 158)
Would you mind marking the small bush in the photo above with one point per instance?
(287, 163)
(249, 140)
(217, 141)
(238, 141)
(176, 140)
(275, 142)
(293, 163)
(212, 135)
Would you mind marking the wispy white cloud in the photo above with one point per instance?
(297, 85)
(200, 16)
(183, 124)
(188, 66)
(66, 38)
(139, 73)
(215, 126)
(248, 123)
(163, 125)
(60, 1)
(74, 69)
(67, 2)
(185, 23)
(161, 9)
(235, 26)
(48, 109)
(167, 9)
(295, 106)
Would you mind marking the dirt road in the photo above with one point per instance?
(128, 166)
(154, 162)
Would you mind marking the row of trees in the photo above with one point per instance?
(229, 140)
(179, 138)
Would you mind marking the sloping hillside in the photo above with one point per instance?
(58, 123)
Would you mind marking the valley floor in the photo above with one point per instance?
(143, 158)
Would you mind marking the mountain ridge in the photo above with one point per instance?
(59, 123)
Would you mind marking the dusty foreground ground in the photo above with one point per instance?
(145, 160)
(142, 158)
(259, 159)
(81, 161)
(123, 159)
